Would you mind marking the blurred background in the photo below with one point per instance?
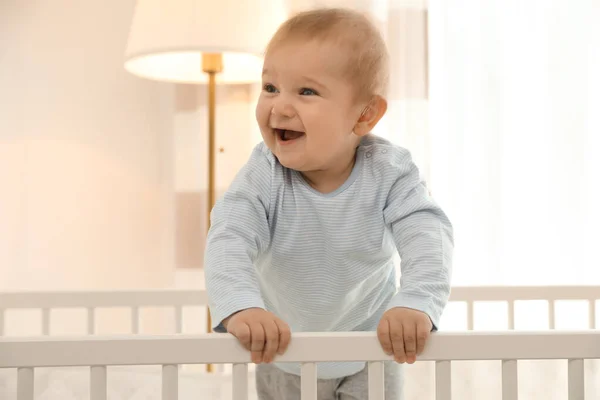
(103, 177)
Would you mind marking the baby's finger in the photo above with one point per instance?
(258, 342)
(285, 336)
(422, 337)
(397, 337)
(383, 334)
(410, 341)
(272, 340)
(243, 335)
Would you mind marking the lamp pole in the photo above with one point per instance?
(212, 64)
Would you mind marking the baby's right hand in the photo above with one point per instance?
(259, 331)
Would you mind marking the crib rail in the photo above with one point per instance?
(136, 299)
(178, 297)
(102, 298)
(92, 300)
(513, 294)
(305, 348)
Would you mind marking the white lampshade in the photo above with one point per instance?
(167, 38)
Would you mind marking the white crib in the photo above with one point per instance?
(438, 373)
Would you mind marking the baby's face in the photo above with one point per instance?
(306, 111)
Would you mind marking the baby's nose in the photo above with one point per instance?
(283, 109)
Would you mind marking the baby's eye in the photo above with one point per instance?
(269, 88)
(308, 92)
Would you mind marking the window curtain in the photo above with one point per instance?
(514, 137)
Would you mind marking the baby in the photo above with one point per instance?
(304, 239)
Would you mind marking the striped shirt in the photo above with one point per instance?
(324, 262)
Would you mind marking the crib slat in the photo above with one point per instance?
(135, 320)
(592, 317)
(25, 384)
(576, 380)
(510, 380)
(178, 319)
(470, 315)
(170, 382)
(511, 315)
(308, 385)
(98, 383)
(91, 321)
(45, 321)
(240, 382)
(376, 381)
(551, 314)
(443, 380)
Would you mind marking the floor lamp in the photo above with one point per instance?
(200, 42)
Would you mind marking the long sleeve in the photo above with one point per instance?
(239, 233)
(424, 238)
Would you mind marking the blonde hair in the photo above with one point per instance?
(368, 61)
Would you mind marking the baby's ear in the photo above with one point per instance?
(370, 116)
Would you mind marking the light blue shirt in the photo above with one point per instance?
(324, 262)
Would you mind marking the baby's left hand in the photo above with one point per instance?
(403, 332)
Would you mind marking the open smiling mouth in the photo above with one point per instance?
(286, 135)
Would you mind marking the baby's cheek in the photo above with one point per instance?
(263, 110)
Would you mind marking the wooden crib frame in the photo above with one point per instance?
(306, 348)
(96, 352)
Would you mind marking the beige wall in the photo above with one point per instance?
(86, 165)
(93, 160)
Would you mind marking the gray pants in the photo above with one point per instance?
(275, 384)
